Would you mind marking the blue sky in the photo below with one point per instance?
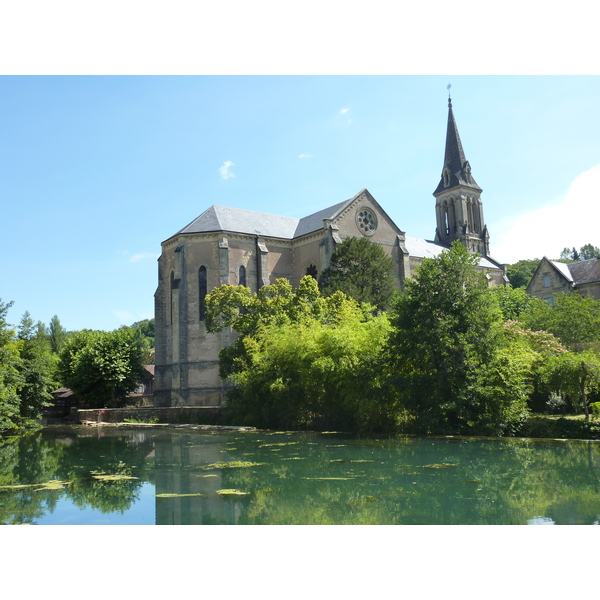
(95, 172)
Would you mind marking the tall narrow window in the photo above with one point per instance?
(202, 291)
(547, 281)
(171, 298)
(242, 275)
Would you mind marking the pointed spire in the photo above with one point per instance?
(456, 170)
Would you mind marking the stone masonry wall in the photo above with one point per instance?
(196, 415)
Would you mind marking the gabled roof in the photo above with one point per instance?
(562, 268)
(240, 220)
(585, 271)
(250, 222)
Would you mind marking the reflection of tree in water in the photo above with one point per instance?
(72, 457)
(26, 460)
(425, 481)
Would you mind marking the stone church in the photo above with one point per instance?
(243, 247)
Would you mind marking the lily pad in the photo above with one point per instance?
(235, 464)
(330, 478)
(278, 444)
(232, 493)
(179, 495)
(113, 477)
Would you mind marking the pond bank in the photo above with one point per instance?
(184, 415)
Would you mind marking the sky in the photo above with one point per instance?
(97, 171)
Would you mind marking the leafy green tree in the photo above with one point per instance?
(58, 335)
(11, 379)
(513, 301)
(312, 375)
(576, 374)
(143, 333)
(102, 368)
(588, 251)
(362, 270)
(301, 360)
(37, 368)
(277, 304)
(448, 356)
(521, 272)
(573, 319)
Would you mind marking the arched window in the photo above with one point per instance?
(202, 291)
(242, 275)
(311, 270)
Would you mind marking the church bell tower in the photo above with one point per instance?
(458, 207)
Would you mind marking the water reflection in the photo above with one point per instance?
(299, 478)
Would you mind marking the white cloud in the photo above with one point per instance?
(143, 256)
(124, 316)
(224, 170)
(547, 230)
(344, 111)
(305, 155)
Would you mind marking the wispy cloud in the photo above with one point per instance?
(547, 230)
(224, 170)
(143, 256)
(344, 111)
(305, 155)
(124, 316)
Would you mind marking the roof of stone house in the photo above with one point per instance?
(150, 369)
(585, 271)
(562, 268)
(62, 392)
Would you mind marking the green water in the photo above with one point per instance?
(166, 476)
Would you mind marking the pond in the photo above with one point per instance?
(165, 476)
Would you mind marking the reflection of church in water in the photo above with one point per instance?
(243, 247)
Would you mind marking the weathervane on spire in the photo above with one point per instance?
(449, 99)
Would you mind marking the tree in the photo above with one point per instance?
(573, 319)
(10, 375)
(588, 251)
(576, 374)
(362, 270)
(143, 332)
(448, 357)
(57, 333)
(301, 360)
(102, 368)
(520, 273)
(37, 367)
(513, 301)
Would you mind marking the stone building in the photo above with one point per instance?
(243, 247)
(553, 277)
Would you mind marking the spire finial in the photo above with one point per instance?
(449, 99)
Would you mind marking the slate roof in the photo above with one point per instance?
(454, 158)
(250, 222)
(419, 248)
(585, 271)
(563, 269)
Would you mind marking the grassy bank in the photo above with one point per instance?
(571, 427)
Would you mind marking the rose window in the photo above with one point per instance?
(366, 221)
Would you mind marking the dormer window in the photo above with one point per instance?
(468, 172)
(446, 176)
